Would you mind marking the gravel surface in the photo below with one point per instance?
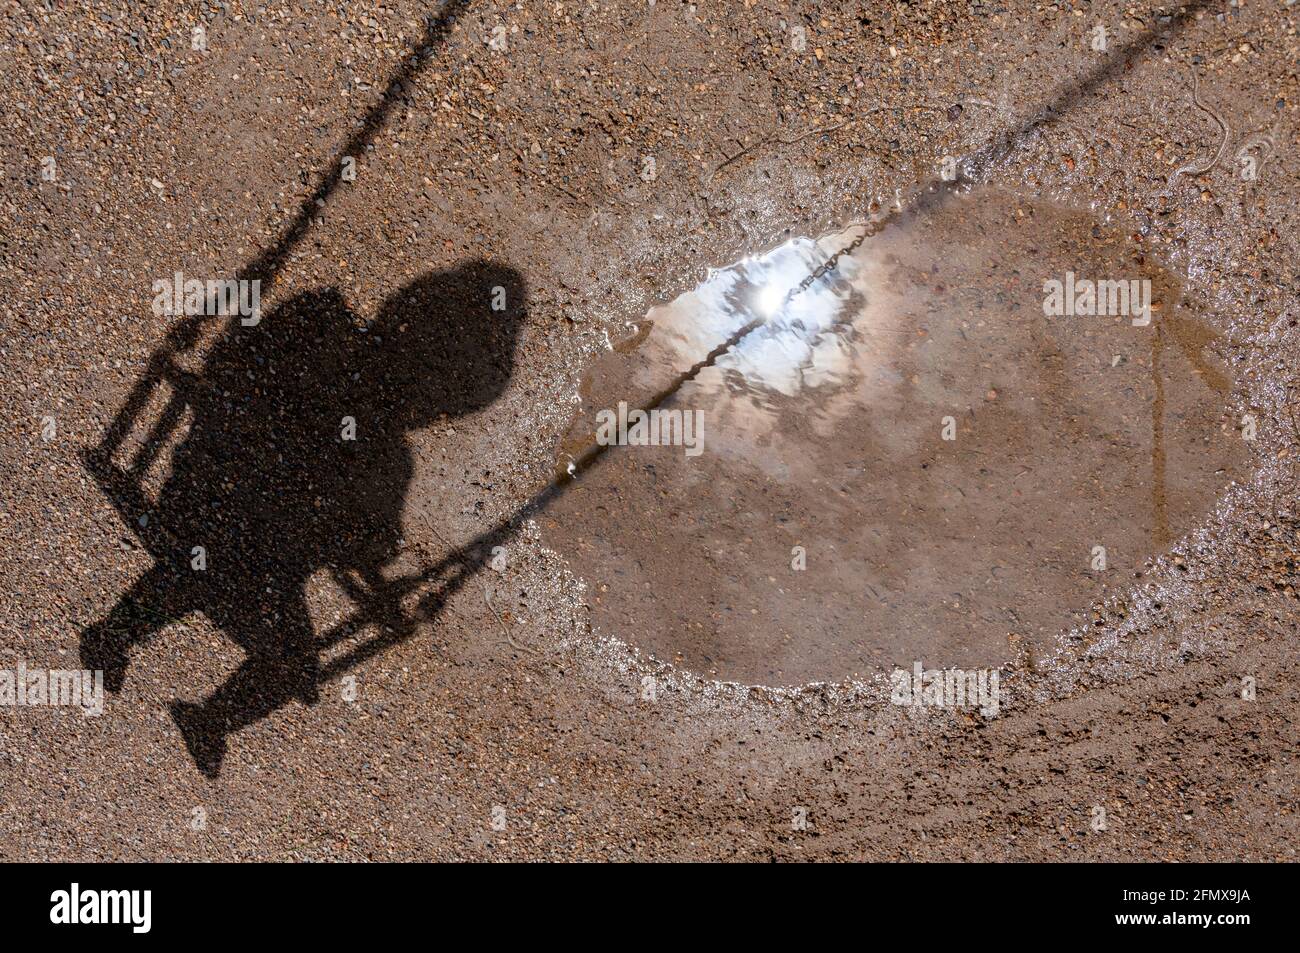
(593, 159)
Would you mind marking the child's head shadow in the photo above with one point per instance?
(449, 343)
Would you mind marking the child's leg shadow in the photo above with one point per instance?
(283, 665)
(157, 599)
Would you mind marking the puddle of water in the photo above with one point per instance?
(825, 428)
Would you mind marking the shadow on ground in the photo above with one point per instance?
(298, 460)
(266, 484)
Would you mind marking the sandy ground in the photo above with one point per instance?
(505, 727)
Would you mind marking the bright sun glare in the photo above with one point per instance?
(769, 300)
